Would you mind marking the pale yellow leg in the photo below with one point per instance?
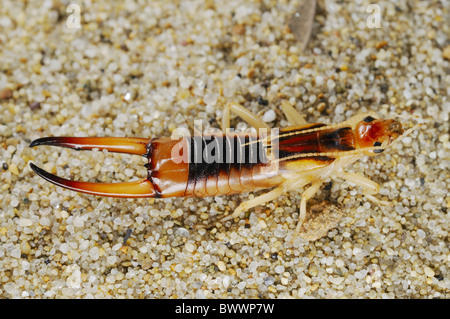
(370, 187)
(294, 117)
(310, 192)
(242, 112)
(259, 200)
(226, 118)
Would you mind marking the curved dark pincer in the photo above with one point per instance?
(129, 145)
(141, 188)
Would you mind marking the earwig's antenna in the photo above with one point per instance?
(407, 116)
(407, 132)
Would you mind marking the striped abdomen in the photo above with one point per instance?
(209, 165)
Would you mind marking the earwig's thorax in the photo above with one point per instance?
(372, 132)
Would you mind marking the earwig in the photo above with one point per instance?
(286, 159)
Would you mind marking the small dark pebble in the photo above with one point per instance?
(261, 101)
(47, 261)
(5, 166)
(384, 88)
(35, 106)
(422, 181)
(105, 39)
(265, 84)
(26, 200)
(127, 235)
(274, 256)
(439, 277)
(328, 186)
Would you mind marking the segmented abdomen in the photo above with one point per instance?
(210, 165)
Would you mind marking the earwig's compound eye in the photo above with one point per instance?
(368, 119)
(377, 144)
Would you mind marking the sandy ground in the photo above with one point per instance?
(141, 70)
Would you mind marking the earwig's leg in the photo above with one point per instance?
(226, 118)
(259, 200)
(242, 112)
(377, 201)
(310, 192)
(294, 117)
(370, 187)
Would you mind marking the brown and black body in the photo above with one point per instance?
(214, 165)
(285, 159)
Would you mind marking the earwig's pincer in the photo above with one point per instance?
(142, 188)
(288, 159)
(112, 144)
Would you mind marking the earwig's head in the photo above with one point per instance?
(371, 132)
